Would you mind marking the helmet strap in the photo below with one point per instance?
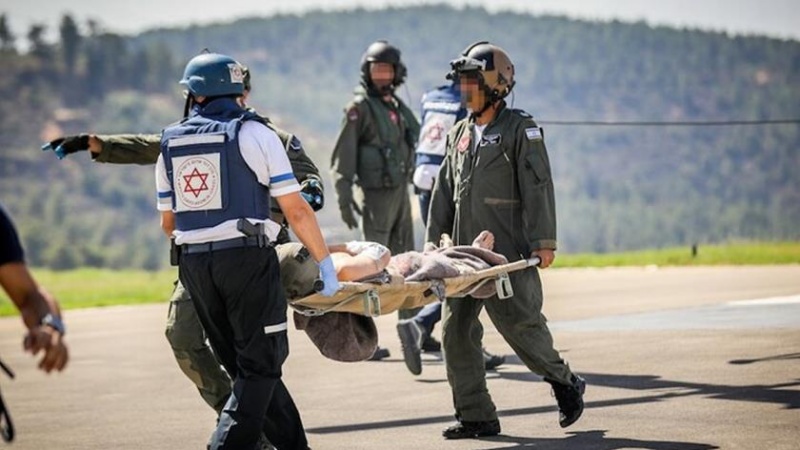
(187, 105)
(492, 97)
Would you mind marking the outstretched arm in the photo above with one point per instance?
(115, 149)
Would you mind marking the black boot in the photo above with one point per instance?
(411, 336)
(570, 400)
(430, 344)
(491, 362)
(380, 353)
(471, 430)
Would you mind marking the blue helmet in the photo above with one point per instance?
(213, 75)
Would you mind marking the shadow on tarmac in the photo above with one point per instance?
(592, 440)
(774, 393)
(662, 390)
(766, 358)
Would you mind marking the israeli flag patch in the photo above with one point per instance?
(533, 133)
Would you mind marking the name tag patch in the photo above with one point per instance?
(490, 139)
(533, 133)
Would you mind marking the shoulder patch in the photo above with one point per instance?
(295, 144)
(522, 113)
(352, 113)
(533, 133)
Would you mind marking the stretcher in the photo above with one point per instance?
(376, 299)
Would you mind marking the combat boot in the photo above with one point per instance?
(411, 337)
(570, 399)
(471, 430)
(380, 353)
(430, 344)
(491, 362)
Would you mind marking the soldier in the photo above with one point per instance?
(375, 152)
(214, 177)
(496, 177)
(441, 109)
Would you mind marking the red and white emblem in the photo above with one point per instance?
(435, 133)
(463, 143)
(197, 183)
(393, 117)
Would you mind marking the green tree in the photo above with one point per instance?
(38, 46)
(70, 43)
(7, 37)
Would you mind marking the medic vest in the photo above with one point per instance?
(441, 109)
(211, 182)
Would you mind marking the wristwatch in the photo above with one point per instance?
(54, 322)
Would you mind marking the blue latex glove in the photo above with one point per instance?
(328, 275)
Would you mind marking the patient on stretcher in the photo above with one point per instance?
(346, 336)
(359, 260)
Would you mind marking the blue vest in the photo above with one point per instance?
(211, 182)
(441, 109)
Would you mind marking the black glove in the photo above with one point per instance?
(348, 217)
(311, 190)
(67, 145)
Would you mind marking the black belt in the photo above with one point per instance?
(238, 242)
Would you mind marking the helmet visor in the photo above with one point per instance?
(464, 65)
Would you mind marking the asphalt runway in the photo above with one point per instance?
(675, 359)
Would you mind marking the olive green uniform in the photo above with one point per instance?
(184, 331)
(503, 185)
(375, 151)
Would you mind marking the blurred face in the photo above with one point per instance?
(472, 96)
(381, 74)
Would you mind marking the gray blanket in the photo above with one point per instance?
(448, 262)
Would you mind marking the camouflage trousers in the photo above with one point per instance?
(193, 353)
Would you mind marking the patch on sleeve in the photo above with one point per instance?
(352, 114)
(295, 144)
(533, 133)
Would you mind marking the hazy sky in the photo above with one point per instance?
(776, 18)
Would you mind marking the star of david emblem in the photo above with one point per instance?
(435, 132)
(195, 182)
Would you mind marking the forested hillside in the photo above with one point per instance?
(621, 187)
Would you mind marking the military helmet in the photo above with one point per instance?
(383, 52)
(492, 65)
(213, 75)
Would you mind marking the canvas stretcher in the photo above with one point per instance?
(376, 299)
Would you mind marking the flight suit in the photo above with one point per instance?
(183, 329)
(375, 151)
(502, 184)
